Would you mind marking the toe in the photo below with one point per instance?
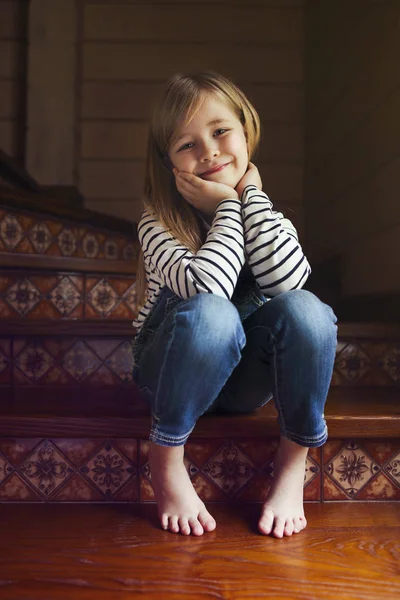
(164, 521)
(298, 525)
(279, 527)
(289, 527)
(303, 522)
(207, 521)
(195, 526)
(184, 526)
(266, 521)
(173, 524)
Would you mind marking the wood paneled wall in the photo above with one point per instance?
(129, 48)
(352, 169)
(13, 42)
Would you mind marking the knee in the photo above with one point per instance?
(211, 320)
(309, 316)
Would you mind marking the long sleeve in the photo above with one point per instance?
(216, 266)
(272, 247)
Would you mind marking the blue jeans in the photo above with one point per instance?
(209, 354)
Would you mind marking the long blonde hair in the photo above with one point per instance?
(180, 99)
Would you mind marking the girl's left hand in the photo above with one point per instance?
(202, 194)
(252, 176)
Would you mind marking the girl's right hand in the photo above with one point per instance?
(251, 177)
(203, 195)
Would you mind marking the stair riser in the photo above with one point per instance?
(232, 469)
(78, 362)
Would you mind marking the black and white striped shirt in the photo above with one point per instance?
(241, 230)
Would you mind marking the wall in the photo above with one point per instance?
(352, 167)
(13, 42)
(130, 48)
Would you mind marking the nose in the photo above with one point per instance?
(209, 150)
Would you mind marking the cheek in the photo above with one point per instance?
(238, 148)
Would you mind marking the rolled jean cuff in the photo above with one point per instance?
(308, 442)
(162, 439)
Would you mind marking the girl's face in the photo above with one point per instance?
(213, 146)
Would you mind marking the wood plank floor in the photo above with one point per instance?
(72, 551)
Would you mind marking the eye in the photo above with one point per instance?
(221, 131)
(185, 146)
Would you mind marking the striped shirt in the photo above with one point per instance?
(246, 230)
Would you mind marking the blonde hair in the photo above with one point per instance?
(180, 99)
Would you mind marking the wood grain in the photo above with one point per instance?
(82, 552)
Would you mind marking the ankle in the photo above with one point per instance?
(290, 454)
(166, 456)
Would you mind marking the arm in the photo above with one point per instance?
(272, 246)
(216, 266)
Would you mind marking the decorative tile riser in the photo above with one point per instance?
(49, 361)
(23, 232)
(37, 296)
(222, 470)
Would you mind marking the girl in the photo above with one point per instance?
(224, 322)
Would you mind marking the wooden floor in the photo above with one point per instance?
(74, 552)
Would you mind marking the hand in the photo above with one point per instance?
(252, 176)
(204, 195)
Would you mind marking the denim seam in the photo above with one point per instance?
(173, 313)
(305, 440)
(276, 395)
(156, 435)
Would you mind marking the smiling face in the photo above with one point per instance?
(214, 139)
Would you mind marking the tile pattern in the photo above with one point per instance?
(361, 470)
(367, 363)
(79, 357)
(32, 296)
(32, 233)
(50, 361)
(230, 470)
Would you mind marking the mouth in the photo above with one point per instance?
(215, 170)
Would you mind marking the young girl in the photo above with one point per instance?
(224, 323)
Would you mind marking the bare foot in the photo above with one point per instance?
(179, 507)
(283, 512)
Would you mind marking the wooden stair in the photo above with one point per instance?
(72, 425)
(348, 551)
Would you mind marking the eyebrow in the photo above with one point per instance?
(214, 122)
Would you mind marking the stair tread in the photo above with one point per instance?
(362, 412)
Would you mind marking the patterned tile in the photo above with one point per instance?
(24, 232)
(42, 296)
(391, 362)
(11, 231)
(364, 470)
(80, 361)
(353, 363)
(40, 238)
(34, 361)
(352, 469)
(61, 361)
(230, 469)
(5, 361)
(92, 470)
(46, 469)
(108, 470)
(90, 246)
(65, 297)
(392, 468)
(5, 468)
(111, 298)
(23, 296)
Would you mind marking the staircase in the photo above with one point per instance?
(72, 425)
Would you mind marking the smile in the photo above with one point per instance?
(212, 171)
